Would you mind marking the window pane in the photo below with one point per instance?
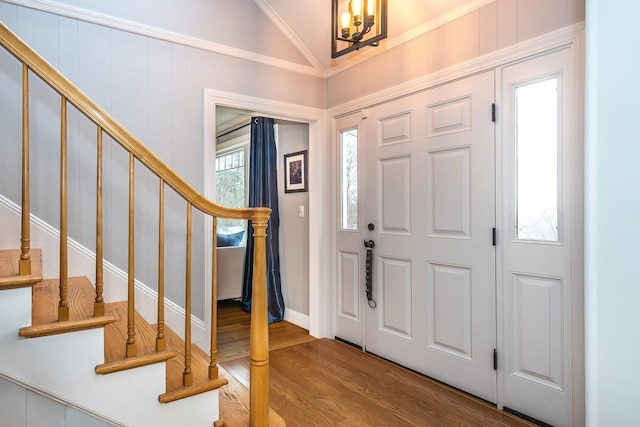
(537, 161)
(349, 167)
(230, 188)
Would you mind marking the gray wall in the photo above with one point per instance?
(294, 230)
(495, 26)
(154, 88)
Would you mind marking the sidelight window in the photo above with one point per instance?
(536, 136)
(349, 179)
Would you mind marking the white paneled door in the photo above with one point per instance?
(426, 198)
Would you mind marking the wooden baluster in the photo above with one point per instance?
(161, 342)
(98, 305)
(63, 306)
(131, 313)
(24, 266)
(213, 359)
(187, 376)
(259, 339)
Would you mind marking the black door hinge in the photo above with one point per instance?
(495, 359)
(493, 112)
(493, 236)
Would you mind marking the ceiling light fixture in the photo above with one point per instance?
(357, 23)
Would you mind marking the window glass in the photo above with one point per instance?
(349, 179)
(536, 115)
(230, 187)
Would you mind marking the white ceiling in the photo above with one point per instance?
(303, 20)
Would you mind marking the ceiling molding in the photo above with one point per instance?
(416, 32)
(288, 32)
(160, 34)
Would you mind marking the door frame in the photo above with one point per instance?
(570, 37)
(319, 297)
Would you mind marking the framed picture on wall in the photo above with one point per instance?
(295, 172)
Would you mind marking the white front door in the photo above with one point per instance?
(427, 189)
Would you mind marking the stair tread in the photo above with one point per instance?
(46, 297)
(10, 259)
(54, 328)
(115, 349)
(81, 297)
(19, 281)
(134, 362)
(10, 277)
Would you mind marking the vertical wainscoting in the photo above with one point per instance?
(154, 88)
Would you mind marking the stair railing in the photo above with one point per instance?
(138, 152)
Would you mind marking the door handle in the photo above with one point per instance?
(369, 245)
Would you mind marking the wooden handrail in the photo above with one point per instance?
(38, 65)
(70, 94)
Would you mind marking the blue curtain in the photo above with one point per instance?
(263, 191)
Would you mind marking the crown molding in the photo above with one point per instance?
(391, 43)
(85, 15)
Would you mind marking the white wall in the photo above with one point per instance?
(612, 212)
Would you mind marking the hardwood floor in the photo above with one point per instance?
(328, 383)
(233, 332)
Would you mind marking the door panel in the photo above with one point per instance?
(349, 285)
(395, 309)
(538, 320)
(450, 191)
(395, 177)
(451, 307)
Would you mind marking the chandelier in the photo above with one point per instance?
(357, 23)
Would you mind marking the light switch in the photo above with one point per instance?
(301, 211)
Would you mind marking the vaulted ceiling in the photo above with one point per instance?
(308, 24)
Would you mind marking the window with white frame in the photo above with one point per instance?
(232, 184)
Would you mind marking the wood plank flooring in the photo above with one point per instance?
(328, 383)
(233, 332)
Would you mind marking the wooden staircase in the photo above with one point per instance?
(63, 337)
(43, 299)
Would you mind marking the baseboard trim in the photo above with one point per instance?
(297, 318)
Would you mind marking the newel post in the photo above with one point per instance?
(259, 345)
